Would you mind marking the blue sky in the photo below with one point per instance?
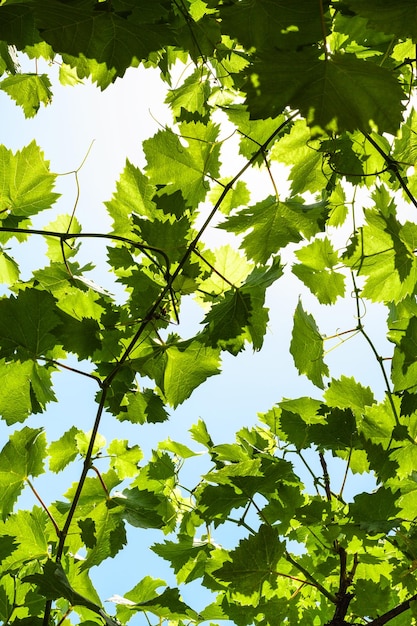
(117, 120)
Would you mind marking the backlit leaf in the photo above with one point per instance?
(307, 347)
(28, 91)
(25, 181)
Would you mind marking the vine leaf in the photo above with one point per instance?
(27, 323)
(408, 344)
(22, 456)
(271, 24)
(389, 18)
(133, 196)
(307, 347)
(336, 94)
(54, 584)
(317, 273)
(64, 450)
(253, 562)
(106, 36)
(139, 508)
(274, 224)
(189, 364)
(24, 537)
(182, 162)
(25, 181)
(187, 557)
(28, 91)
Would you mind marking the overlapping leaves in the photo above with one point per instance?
(276, 528)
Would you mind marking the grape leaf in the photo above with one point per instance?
(27, 323)
(106, 36)
(139, 508)
(253, 562)
(267, 24)
(316, 271)
(188, 365)
(25, 181)
(307, 347)
(28, 91)
(339, 93)
(133, 196)
(21, 457)
(397, 18)
(64, 450)
(30, 532)
(182, 162)
(274, 224)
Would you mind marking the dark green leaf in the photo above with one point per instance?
(253, 562)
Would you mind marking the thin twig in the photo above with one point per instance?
(45, 508)
(309, 577)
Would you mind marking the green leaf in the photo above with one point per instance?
(74, 69)
(178, 367)
(133, 196)
(81, 337)
(187, 557)
(228, 318)
(340, 92)
(107, 36)
(254, 132)
(9, 270)
(145, 590)
(107, 535)
(300, 151)
(124, 458)
(188, 365)
(6, 597)
(27, 323)
(253, 562)
(182, 162)
(139, 508)
(64, 450)
(408, 344)
(191, 96)
(54, 584)
(28, 91)
(168, 605)
(140, 407)
(307, 347)
(270, 25)
(15, 400)
(383, 254)
(21, 457)
(216, 502)
(25, 181)
(31, 539)
(398, 18)
(347, 393)
(375, 511)
(273, 225)
(316, 271)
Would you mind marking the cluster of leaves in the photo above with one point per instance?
(324, 88)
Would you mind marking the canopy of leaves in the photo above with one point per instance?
(309, 515)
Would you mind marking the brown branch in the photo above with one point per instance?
(389, 615)
(326, 477)
(343, 598)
